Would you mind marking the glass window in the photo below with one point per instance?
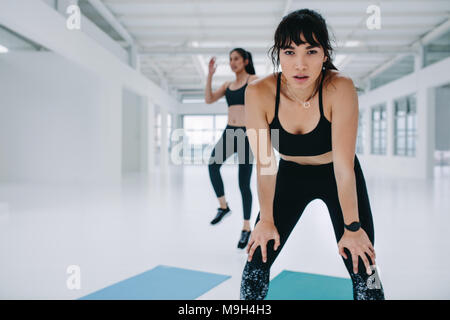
(201, 134)
(158, 124)
(360, 135)
(379, 127)
(405, 126)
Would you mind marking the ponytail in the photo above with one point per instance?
(246, 55)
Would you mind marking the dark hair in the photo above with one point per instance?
(306, 22)
(246, 55)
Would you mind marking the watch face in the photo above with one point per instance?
(354, 226)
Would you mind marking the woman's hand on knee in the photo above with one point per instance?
(263, 232)
(359, 244)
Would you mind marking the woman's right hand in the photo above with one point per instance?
(212, 66)
(263, 232)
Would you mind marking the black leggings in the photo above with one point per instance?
(296, 186)
(233, 139)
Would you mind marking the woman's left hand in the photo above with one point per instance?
(358, 243)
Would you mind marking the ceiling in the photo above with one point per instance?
(11, 41)
(176, 38)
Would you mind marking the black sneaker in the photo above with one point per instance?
(220, 214)
(245, 236)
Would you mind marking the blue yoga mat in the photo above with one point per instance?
(290, 285)
(160, 283)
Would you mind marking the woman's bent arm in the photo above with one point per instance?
(211, 96)
(258, 133)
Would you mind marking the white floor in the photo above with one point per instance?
(115, 233)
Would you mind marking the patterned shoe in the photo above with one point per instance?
(245, 236)
(220, 214)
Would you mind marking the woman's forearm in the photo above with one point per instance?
(348, 199)
(208, 89)
(266, 193)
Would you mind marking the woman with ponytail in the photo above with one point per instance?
(308, 112)
(234, 138)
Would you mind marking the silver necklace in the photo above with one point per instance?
(306, 104)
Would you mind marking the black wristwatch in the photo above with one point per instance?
(354, 226)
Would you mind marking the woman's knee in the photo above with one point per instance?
(271, 255)
(255, 281)
(365, 288)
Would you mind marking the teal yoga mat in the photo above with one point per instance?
(290, 285)
(160, 283)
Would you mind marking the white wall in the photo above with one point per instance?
(134, 133)
(59, 122)
(203, 108)
(39, 22)
(92, 30)
(422, 83)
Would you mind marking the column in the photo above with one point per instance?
(164, 157)
(151, 147)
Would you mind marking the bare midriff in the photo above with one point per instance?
(236, 115)
(310, 160)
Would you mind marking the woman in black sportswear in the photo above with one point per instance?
(309, 113)
(233, 138)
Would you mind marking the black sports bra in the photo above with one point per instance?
(315, 142)
(236, 96)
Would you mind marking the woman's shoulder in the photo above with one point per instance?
(263, 86)
(252, 77)
(336, 81)
(340, 88)
(261, 92)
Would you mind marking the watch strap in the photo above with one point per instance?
(354, 226)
